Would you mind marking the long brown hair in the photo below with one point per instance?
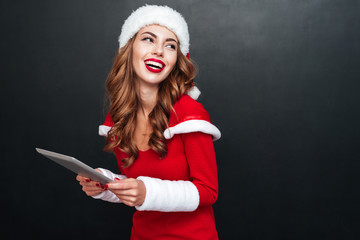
(124, 102)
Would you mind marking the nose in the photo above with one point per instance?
(158, 50)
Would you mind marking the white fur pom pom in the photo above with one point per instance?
(194, 93)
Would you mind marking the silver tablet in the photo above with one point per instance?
(75, 165)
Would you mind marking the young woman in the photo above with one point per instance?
(161, 136)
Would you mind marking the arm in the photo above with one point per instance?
(201, 158)
(184, 196)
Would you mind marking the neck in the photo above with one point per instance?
(148, 95)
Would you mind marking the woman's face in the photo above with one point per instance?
(154, 54)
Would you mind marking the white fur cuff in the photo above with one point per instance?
(108, 195)
(169, 196)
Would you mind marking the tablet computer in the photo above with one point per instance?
(75, 165)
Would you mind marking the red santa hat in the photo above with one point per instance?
(164, 16)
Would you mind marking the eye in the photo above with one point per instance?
(172, 46)
(147, 39)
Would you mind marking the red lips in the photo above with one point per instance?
(154, 65)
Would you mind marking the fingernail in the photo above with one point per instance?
(87, 180)
(106, 186)
(98, 185)
(117, 179)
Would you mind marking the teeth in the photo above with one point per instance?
(154, 64)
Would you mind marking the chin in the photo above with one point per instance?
(152, 79)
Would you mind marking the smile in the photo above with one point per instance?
(154, 65)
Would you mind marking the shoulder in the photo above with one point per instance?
(186, 108)
(106, 126)
(188, 116)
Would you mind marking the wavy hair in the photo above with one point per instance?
(124, 102)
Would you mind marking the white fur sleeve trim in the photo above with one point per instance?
(193, 126)
(103, 130)
(108, 195)
(169, 196)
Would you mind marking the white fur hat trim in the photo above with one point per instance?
(153, 14)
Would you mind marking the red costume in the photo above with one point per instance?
(180, 188)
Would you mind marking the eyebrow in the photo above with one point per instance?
(153, 35)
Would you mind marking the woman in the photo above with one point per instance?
(162, 138)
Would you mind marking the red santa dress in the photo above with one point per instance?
(180, 188)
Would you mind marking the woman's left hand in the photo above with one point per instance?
(130, 191)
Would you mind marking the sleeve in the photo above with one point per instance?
(190, 116)
(200, 154)
(185, 196)
(108, 195)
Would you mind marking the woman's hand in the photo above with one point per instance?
(91, 188)
(130, 191)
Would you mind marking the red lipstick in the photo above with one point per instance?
(154, 65)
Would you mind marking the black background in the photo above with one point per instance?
(280, 79)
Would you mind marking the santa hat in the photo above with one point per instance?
(164, 16)
(153, 14)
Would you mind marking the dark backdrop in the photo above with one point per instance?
(280, 78)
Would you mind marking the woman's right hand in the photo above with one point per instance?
(91, 188)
